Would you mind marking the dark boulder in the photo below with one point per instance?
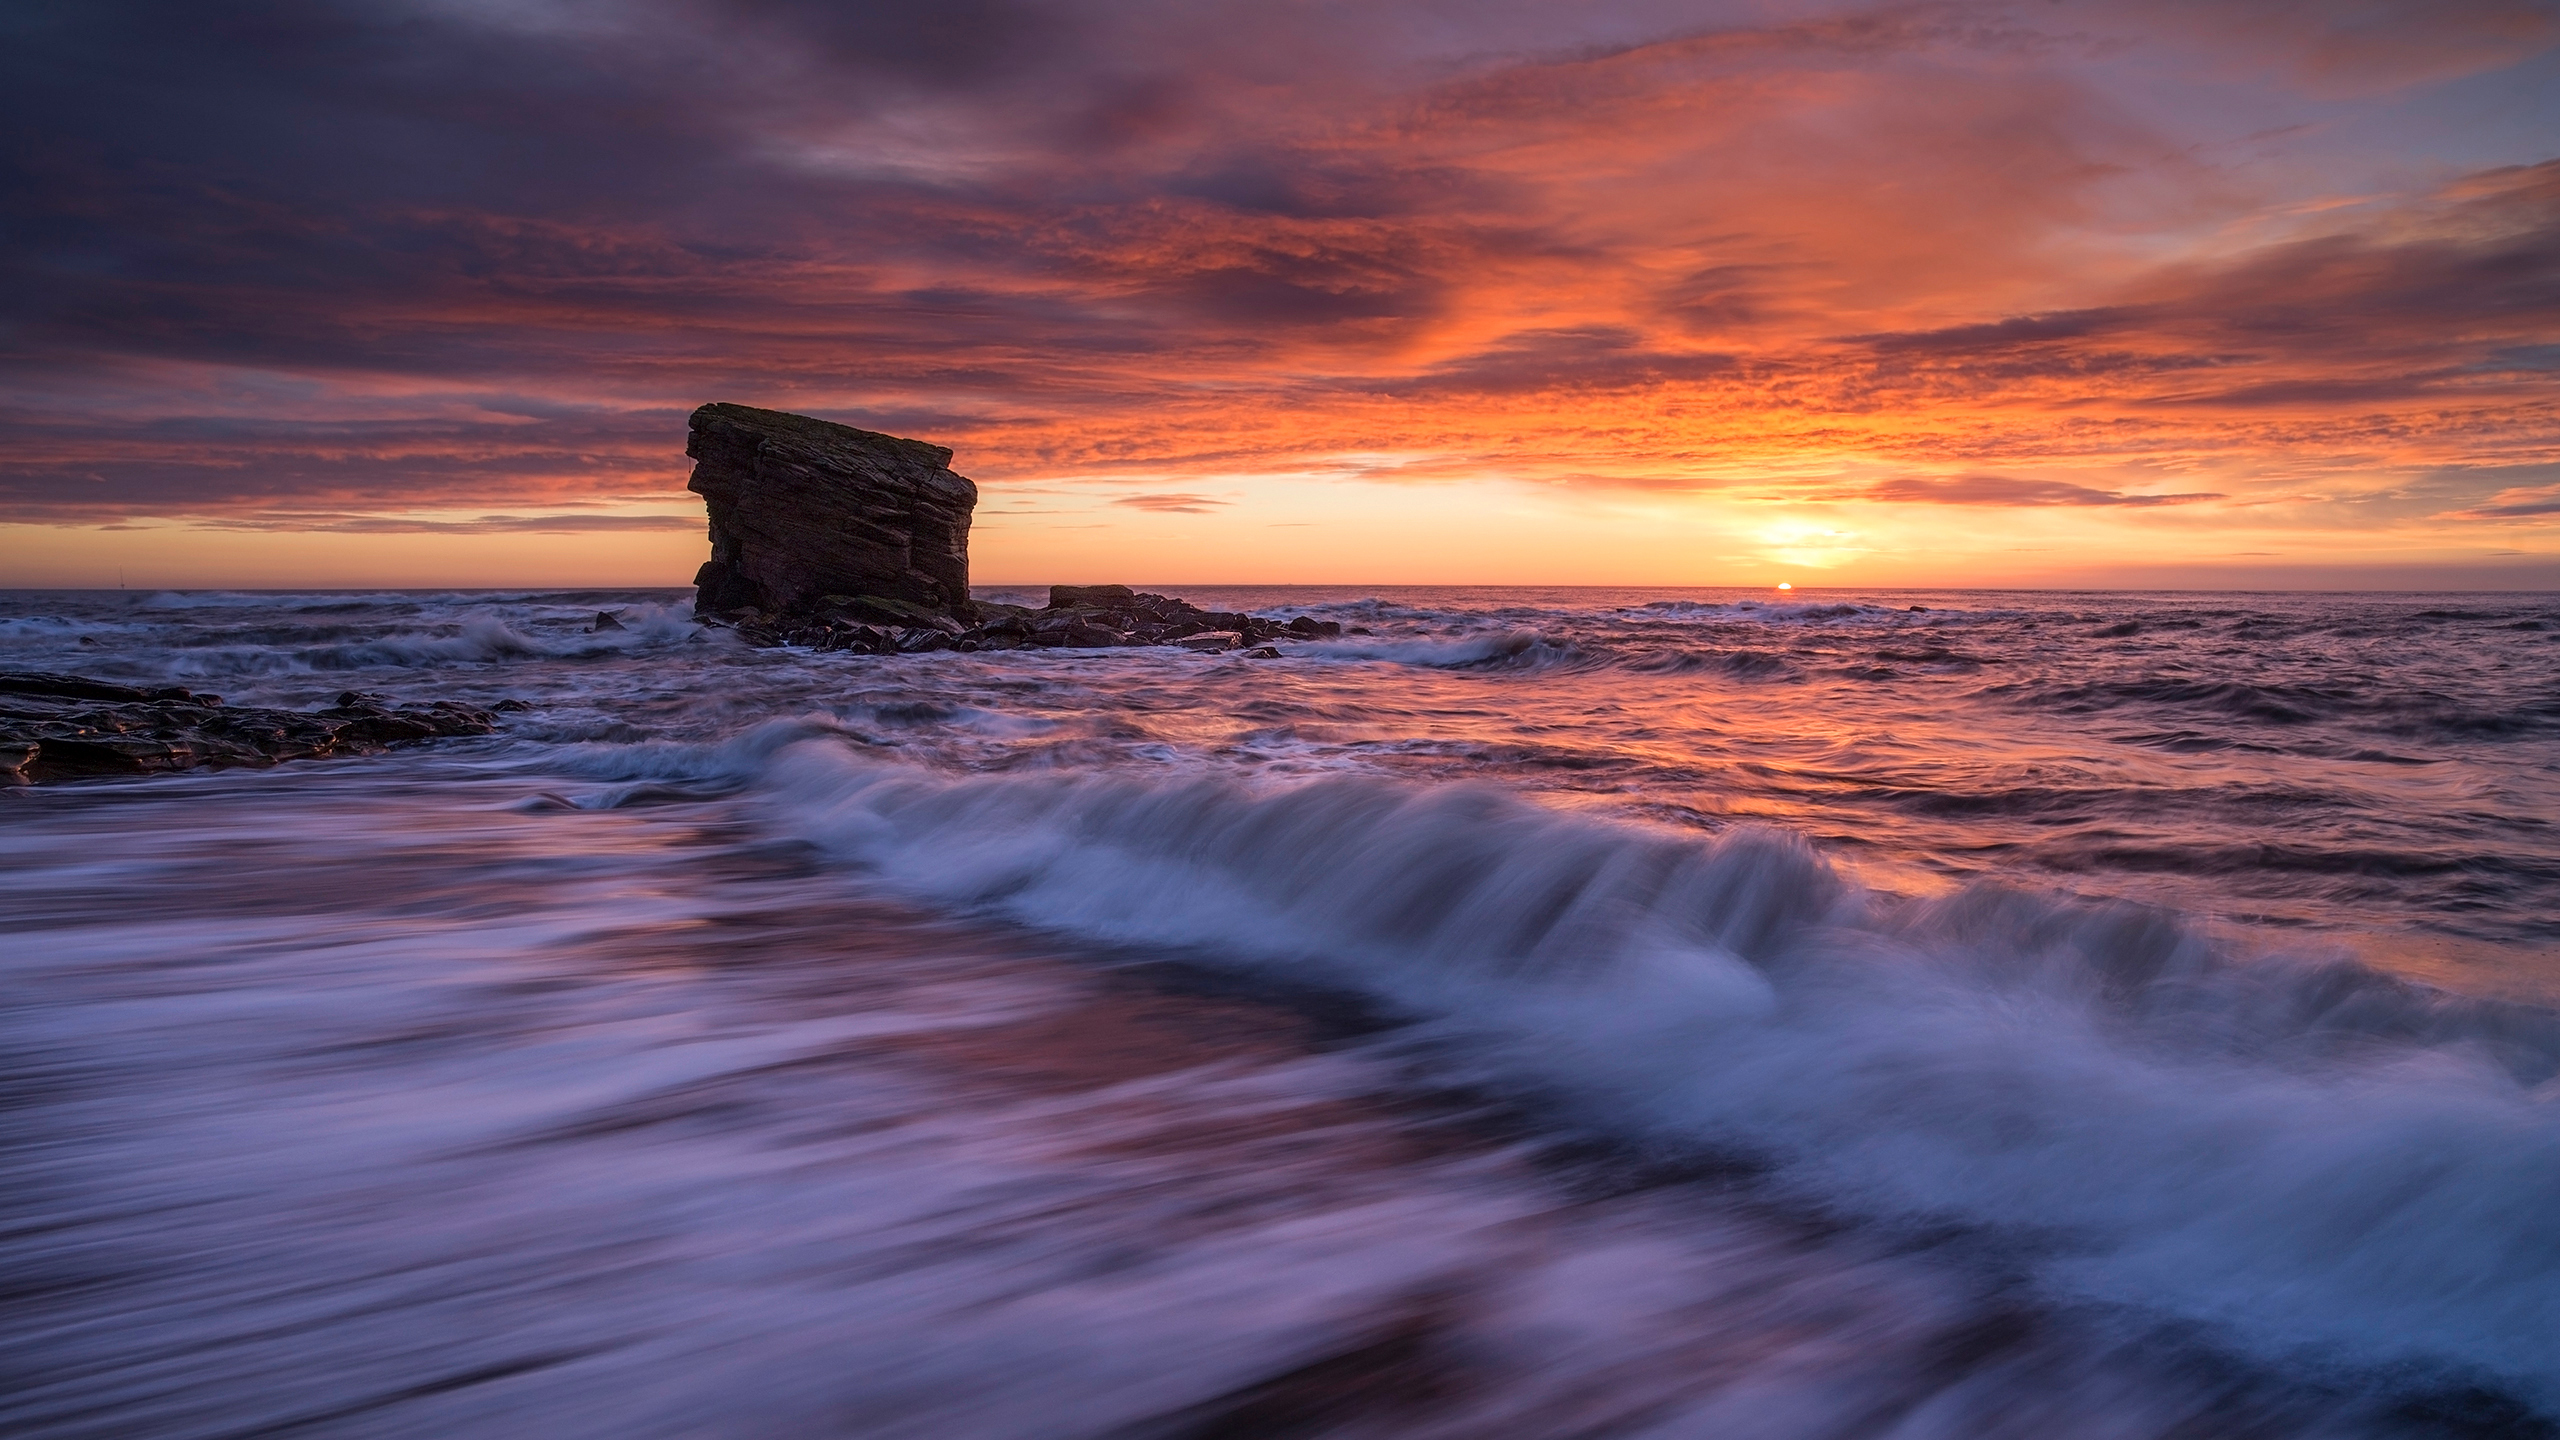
(68, 727)
(806, 511)
(1077, 617)
(1094, 616)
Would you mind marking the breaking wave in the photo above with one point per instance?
(1512, 649)
(2311, 1160)
(475, 640)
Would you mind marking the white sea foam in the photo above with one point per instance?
(475, 639)
(2322, 1164)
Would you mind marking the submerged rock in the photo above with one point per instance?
(68, 727)
(812, 520)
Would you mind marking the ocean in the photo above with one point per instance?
(1547, 1013)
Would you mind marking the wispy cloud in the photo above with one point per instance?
(2012, 490)
(480, 525)
(2521, 503)
(1171, 503)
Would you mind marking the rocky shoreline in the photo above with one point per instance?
(70, 727)
(1081, 617)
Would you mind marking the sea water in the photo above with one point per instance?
(1532, 1013)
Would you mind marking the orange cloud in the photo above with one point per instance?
(2032, 258)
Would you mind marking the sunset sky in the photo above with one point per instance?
(419, 292)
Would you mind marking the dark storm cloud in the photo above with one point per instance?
(402, 153)
(359, 189)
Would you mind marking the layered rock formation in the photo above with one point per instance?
(842, 539)
(66, 727)
(811, 518)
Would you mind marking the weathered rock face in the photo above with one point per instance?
(811, 517)
(67, 727)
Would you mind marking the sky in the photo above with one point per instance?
(2192, 293)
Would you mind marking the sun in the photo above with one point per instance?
(1783, 585)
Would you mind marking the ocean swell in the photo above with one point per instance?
(2315, 1162)
(1504, 650)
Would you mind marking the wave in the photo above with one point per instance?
(1769, 611)
(1369, 609)
(2313, 1160)
(1738, 664)
(2407, 713)
(1520, 650)
(1509, 650)
(478, 639)
(269, 601)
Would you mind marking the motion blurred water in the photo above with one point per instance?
(1549, 1013)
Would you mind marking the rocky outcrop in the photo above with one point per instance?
(842, 539)
(1076, 617)
(66, 727)
(813, 520)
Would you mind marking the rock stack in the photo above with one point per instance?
(811, 517)
(843, 539)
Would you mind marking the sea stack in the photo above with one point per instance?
(808, 516)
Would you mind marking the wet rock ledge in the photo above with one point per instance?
(1076, 617)
(67, 727)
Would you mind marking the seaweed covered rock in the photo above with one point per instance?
(814, 521)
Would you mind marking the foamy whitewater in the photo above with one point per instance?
(1548, 1013)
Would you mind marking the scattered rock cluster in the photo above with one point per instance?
(1076, 617)
(66, 727)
